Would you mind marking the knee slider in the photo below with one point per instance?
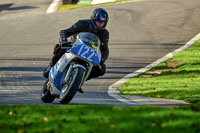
(103, 70)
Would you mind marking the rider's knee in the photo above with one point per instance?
(57, 48)
(103, 70)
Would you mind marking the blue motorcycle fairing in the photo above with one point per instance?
(87, 53)
(55, 76)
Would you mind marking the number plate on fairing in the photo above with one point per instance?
(86, 53)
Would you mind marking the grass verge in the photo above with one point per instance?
(176, 78)
(75, 6)
(98, 119)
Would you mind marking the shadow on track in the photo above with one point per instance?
(9, 8)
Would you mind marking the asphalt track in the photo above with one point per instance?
(140, 33)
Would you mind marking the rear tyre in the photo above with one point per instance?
(46, 95)
(70, 90)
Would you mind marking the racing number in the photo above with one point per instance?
(89, 58)
(83, 54)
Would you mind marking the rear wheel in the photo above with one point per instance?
(46, 95)
(70, 89)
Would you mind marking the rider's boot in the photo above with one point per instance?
(46, 71)
(80, 90)
(52, 63)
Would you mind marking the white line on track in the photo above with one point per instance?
(54, 6)
(114, 92)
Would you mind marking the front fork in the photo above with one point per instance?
(72, 66)
(68, 73)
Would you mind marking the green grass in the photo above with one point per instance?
(140, 119)
(183, 84)
(72, 6)
(98, 119)
(75, 6)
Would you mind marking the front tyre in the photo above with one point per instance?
(46, 95)
(69, 90)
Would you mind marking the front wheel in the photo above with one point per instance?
(46, 95)
(69, 90)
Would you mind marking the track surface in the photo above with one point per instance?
(140, 32)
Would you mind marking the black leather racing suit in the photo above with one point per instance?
(84, 26)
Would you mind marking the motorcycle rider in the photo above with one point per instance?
(96, 24)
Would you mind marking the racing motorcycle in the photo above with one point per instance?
(72, 69)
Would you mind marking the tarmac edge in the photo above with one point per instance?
(115, 93)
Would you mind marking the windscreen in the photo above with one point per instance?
(89, 39)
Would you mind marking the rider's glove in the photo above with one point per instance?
(64, 42)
